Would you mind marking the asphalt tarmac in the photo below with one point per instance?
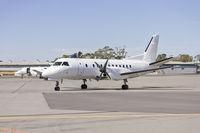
(158, 104)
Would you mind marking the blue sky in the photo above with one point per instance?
(45, 29)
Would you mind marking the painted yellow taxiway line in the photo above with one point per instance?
(95, 116)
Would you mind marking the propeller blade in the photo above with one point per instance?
(108, 75)
(97, 65)
(101, 75)
(105, 65)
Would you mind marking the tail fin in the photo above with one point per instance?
(151, 50)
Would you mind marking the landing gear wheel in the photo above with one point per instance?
(124, 87)
(83, 86)
(57, 88)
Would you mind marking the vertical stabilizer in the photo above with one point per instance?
(151, 50)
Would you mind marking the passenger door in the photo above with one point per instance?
(80, 69)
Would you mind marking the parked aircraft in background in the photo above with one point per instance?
(105, 69)
(30, 71)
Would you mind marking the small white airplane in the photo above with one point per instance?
(30, 71)
(101, 69)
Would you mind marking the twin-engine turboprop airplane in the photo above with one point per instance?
(100, 69)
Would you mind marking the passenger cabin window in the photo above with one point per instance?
(123, 66)
(116, 65)
(119, 65)
(126, 66)
(112, 65)
(57, 63)
(65, 64)
(108, 65)
(93, 65)
(130, 66)
(86, 65)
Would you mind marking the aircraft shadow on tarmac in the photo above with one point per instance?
(141, 88)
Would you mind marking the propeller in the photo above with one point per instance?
(103, 69)
(28, 71)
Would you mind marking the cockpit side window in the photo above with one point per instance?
(57, 63)
(65, 64)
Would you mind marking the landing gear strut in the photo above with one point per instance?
(57, 88)
(125, 86)
(84, 86)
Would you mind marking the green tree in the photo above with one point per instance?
(65, 56)
(79, 54)
(56, 59)
(184, 58)
(120, 52)
(161, 57)
(87, 55)
(104, 53)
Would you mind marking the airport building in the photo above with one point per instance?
(183, 68)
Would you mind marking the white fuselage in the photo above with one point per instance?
(78, 69)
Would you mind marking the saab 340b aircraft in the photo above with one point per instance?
(101, 69)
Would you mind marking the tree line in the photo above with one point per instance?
(121, 52)
(180, 57)
(102, 53)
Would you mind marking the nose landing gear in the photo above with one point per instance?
(125, 86)
(84, 86)
(57, 88)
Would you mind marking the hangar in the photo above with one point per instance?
(185, 68)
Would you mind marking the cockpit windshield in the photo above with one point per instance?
(61, 63)
(57, 63)
(65, 64)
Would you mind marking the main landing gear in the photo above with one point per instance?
(84, 86)
(57, 88)
(125, 86)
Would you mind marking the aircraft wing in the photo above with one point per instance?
(142, 72)
(114, 73)
(161, 62)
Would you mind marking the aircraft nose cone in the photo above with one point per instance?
(52, 72)
(47, 74)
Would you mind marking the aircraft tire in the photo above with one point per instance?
(83, 86)
(57, 88)
(124, 87)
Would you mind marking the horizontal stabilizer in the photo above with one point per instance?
(161, 62)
